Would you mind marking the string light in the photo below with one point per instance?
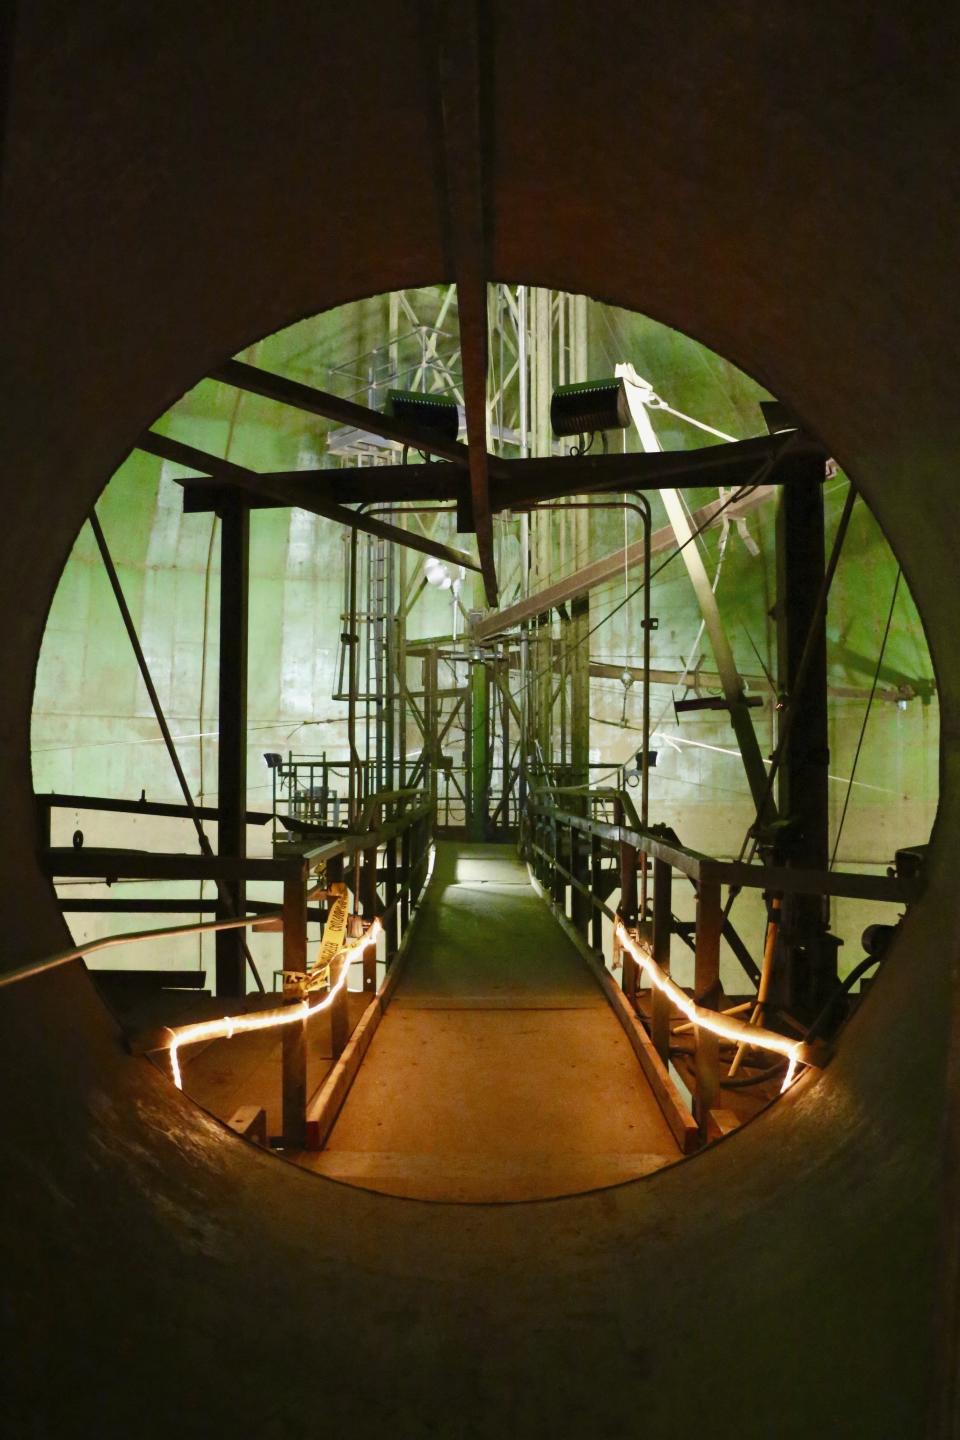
(726, 1026)
(229, 1025)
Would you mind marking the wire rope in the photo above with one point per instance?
(866, 716)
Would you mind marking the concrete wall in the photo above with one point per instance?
(94, 731)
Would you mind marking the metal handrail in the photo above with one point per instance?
(348, 845)
(129, 937)
(706, 868)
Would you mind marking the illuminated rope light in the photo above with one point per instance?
(230, 1025)
(726, 1026)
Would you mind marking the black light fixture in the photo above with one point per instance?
(588, 407)
(272, 760)
(439, 414)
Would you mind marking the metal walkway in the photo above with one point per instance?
(499, 1071)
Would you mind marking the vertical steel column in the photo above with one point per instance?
(479, 751)
(294, 1036)
(596, 914)
(806, 952)
(580, 869)
(706, 992)
(431, 720)
(578, 660)
(628, 903)
(232, 749)
(662, 927)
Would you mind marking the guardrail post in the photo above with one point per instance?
(417, 852)
(596, 914)
(390, 923)
(706, 991)
(662, 927)
(294, 1036)
(559, 879)
(580, 870)
(628, 904)
(405, 878)
(368, 909)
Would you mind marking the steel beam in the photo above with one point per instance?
(461, 80)
(517, 483)
(292, 490)
(345, 412)
(733, 690)
(806, 953)
(143, 807)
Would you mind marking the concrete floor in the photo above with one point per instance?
(499, 1072)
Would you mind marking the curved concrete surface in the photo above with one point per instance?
(780, 182)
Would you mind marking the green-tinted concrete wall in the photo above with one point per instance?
(94, 731)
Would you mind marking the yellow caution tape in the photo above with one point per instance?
(334, 935)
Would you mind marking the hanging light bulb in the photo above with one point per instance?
(437, 574)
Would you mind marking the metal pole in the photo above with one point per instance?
(294, 1036)
(232, 747)
(205, 846)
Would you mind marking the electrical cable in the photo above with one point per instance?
(866, 717)
(736, 495)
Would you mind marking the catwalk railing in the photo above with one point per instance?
(584, 845)
(384, 862)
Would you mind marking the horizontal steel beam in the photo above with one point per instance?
(156, 905)
(96, 864)
(516, 483)
(294, 491)
(142, 807)
(345, 412)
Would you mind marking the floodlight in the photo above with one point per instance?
(589, 406)
(437, 413)
(272, 760)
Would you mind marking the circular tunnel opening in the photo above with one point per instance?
(319, 681)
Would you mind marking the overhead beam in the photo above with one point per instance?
(528, 482)
(609, 567)
(461, 98)
(300, 396)
(293, 490)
